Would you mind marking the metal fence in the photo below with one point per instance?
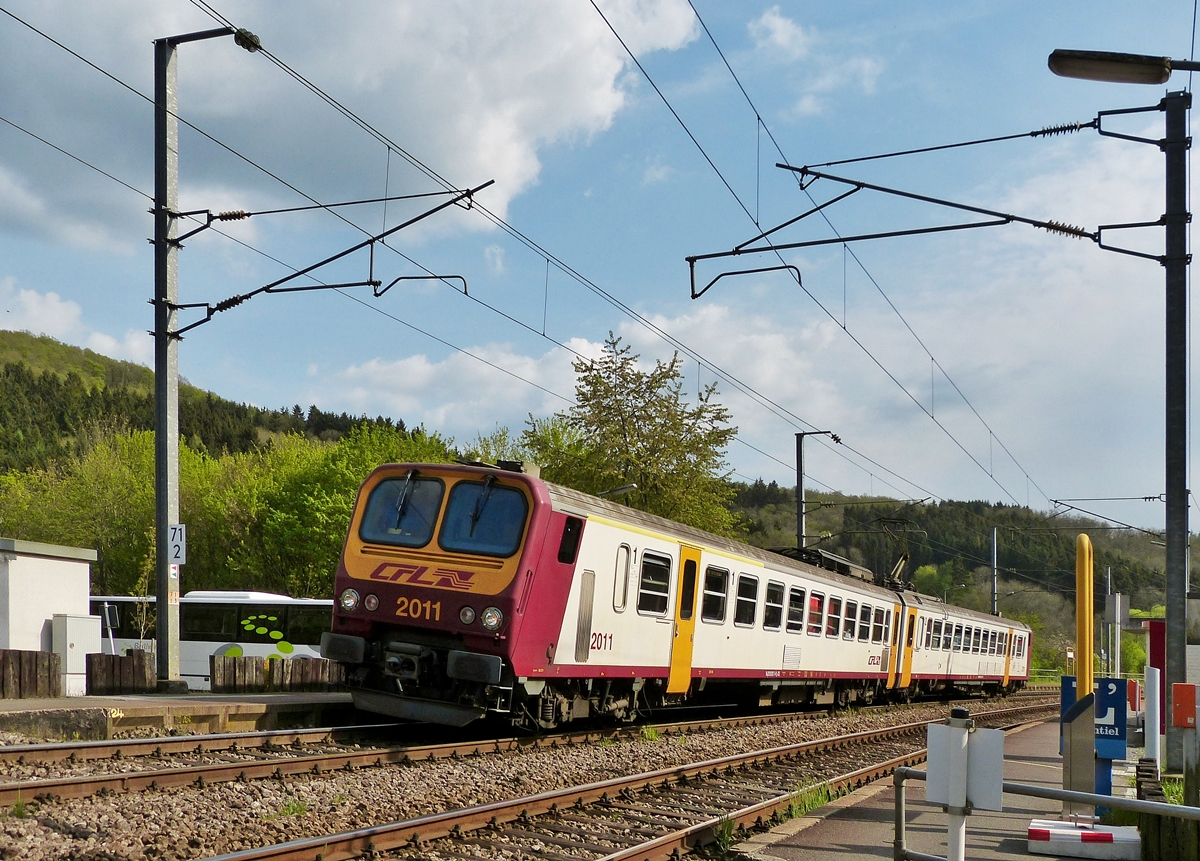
(900, 851)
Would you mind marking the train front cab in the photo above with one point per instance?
(432, 587)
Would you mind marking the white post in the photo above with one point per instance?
(1153, 745)
(956, 827)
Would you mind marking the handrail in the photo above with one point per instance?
(903, 774)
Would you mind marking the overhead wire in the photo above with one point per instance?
(532, 245)
(879, 288)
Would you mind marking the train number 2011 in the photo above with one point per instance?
(413, 608)
(601, 642)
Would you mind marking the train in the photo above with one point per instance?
(467, 591)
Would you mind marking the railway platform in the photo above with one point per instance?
(96, 718)
(861, 825)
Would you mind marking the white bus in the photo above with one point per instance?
(217, 623)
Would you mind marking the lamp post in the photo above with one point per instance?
(166, 342)
(800, 480)
(1140, 69)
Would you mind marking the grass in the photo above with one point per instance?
(724, 834)
(650, 733)
(18, 809)
(1173, 790)
(808, 798)
(291, 807)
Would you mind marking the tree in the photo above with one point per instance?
(635, 426)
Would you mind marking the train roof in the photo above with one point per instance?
(576, 502)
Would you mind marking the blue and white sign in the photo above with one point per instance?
(1110, 718)
(1110, 715)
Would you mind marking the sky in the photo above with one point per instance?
(1005, 363)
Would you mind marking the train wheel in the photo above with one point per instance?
(842, 698)
(867, 697)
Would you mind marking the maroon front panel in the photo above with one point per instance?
(544, 586)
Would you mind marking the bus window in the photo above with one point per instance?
(211, 621)
(402, 511)
(795, 616)
(483, 518)
(305, 625)
(773, 607)
(747, 600)
(864, 623)
(851, 616)
(716, 589)
(833, 619)
(816, 610)
(655, 584)
(621, 579)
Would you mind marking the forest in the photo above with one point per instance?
(267, 494)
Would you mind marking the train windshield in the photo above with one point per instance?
(402, 511)
(483, 518)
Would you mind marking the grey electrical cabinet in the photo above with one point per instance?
(74, 638)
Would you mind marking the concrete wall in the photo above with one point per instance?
(36, 582)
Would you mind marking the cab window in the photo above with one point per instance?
(402, 511)
(483, 518)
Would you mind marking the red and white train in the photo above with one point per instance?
(465, 591)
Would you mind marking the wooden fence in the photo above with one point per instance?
(242, 675)
(24, 675)
(133, 673)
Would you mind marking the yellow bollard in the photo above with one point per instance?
(1084, 616)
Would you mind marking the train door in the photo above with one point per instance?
(893, 658)
(685, 621)
(909, 635)
(1008, 650)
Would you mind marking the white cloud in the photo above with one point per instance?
(775, 32)
(25, 310)
(473, 89)
(494, 255)
(657, 172)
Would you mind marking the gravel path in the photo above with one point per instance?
(197, 823)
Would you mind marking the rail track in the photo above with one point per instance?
(643, 817)
(102, 767)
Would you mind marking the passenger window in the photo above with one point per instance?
(967, 639)
(773, 607)
(833, 619)
(864, 623)
(879, 629)
(687, 591)
(816, 612)
(851, 615)
(1020, 646)
(747, 600)
(958, 632)
(887, 626)
(716, 590)
(1002, 644)
(946, 635)
(975, 642)
(795, 619)
(992, 646)
(927, 625)
(654, 585)
(935, 631)
(621, 578)
(223, 621)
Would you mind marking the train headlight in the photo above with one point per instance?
(371, 602)
(492, 618)
(466, 615)
(349, 600)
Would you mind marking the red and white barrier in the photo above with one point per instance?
(1051, 837)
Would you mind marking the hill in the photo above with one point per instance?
(53, 394)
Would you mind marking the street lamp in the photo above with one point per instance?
(166, 347)
(1141, 69)
(800, 480)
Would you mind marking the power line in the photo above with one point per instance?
(881, 291)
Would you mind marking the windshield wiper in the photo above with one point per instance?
(484, 495)
(402, 503)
